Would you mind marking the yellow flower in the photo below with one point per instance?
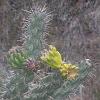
(69, 71)
(52, 57)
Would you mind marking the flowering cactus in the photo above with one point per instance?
(54, 60)
(29, 83)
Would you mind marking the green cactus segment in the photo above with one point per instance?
(16, 88)
(35, 29)
(49, 87)
(53, 86)
(17, 59)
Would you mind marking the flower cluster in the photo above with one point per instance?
(69, 70)
(53, 58)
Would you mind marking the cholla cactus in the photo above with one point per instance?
(27, 84)
(35, 28)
